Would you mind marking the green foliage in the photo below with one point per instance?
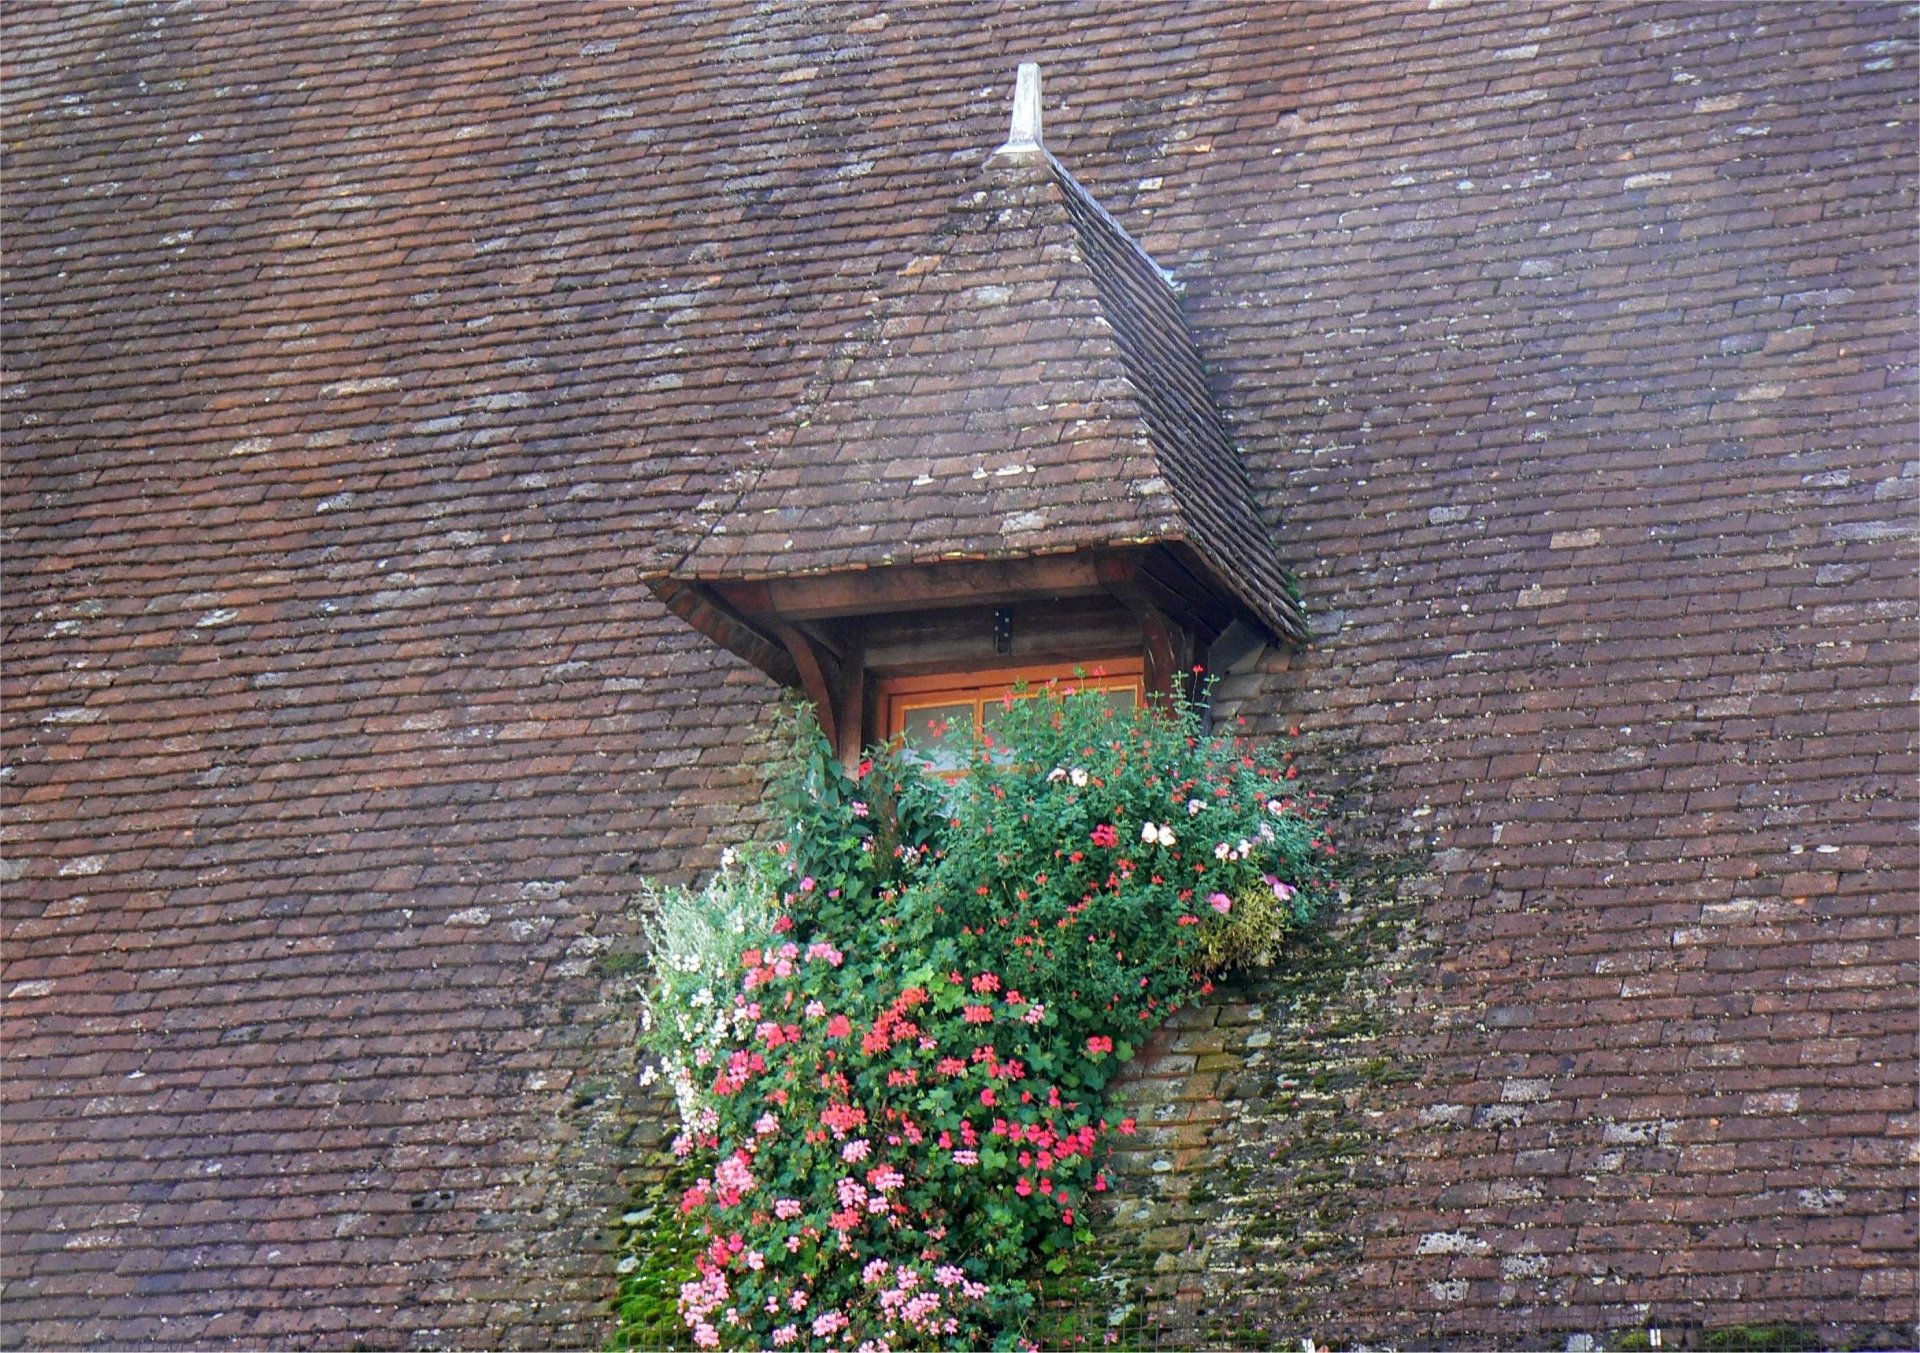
(1114, 854)
(658, 1257)
(697, 937)
(1778, 1337)
(1774, 1338)
(852, 842)
(890, 1043)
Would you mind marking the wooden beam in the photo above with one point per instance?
(914, 587)
(1167, 645)
(850, 711)
(819, 678)
(696, 604)
(1073, 629)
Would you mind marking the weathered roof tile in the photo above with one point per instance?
(1032, 363)
(1607, 493)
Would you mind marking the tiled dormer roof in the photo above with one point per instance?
(1189, 434)
(1028, 387)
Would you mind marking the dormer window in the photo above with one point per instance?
(936, 716)
(1018, 462)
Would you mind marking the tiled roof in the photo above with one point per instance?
(1028, 386)
(1194, 445)
(359, 358)
(987, 412)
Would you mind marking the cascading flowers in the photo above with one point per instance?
(892, 1089)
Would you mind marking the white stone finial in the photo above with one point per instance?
(1025, 134)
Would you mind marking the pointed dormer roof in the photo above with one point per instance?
(1027, 388)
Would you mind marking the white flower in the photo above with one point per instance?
(1079, 777)
(1193, 807)
(1167, 838)
(1244, 849)
(1149, 833)
(1056, 775)
(1221, 851)
(1273, 806)
(729, 857)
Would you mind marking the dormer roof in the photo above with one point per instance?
(1028, 387)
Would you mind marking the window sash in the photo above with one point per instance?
(951, 706)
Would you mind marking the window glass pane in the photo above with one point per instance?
(934, 717)
(990, 712)
(1120, 700)
(937, 735)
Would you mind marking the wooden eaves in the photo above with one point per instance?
(805, 631)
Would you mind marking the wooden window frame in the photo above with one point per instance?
(896, 696)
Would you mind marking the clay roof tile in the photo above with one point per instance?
(1033, 366)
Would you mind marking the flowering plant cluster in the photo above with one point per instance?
(892, 1093)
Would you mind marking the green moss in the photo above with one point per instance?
(1774, 1338)
(621, 962)
(1089, 1306)
(1762, 1338)
(586, 1092)
(1300, 1152)
(657, 1256)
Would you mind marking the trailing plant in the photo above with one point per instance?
(697, 938)
(894, 1085)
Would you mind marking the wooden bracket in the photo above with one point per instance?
(697, 604)
(1167, 646)
(835, 683)
(1169, 652)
